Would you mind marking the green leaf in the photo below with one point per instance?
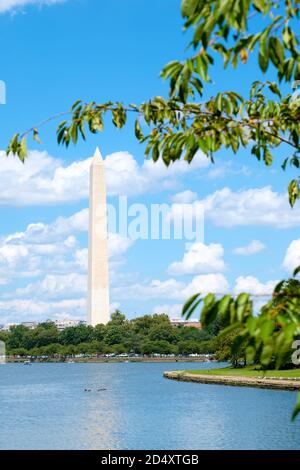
(296, 271)
(276, 51)
(74, 132)
(266, 330)
(188, 7)
(138, 131)
(263, 55)
(278, 287)
(22, 152)
(234, 326)
(36, 136)
(268, 159)
(266, 355)
(190, 153)
(251, 324)
(297, 71)
(294, 192)
(223, 307)
(260, 5)
(190, 305)
(284, 164)
(274, 88)
(155, 153)
(242, 305)
(219, 102)
(250, 353)
(297, 408)
(209, 310)
(76, 104)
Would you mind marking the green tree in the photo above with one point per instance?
(76, 335)
(49, 349)
(143, 324)
(119, 348)
(229, 347)
(268, 337)
(188, 347)
(99, 332)
(17, 337)
(18, 352)
(4, 336)
(157, 347)
(163, 332)
(117, 318)
(114, 334)
(43, 335)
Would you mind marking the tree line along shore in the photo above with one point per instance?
(94, 358)
(148, 335)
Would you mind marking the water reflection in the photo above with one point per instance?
(45, 407)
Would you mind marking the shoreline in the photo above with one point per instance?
(236, 381)
(107, 360)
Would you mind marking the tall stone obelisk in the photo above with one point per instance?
(98, 281)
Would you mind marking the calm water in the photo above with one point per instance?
(45, 407)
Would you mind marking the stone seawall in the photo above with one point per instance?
(271, 383)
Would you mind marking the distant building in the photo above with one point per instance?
(8, 326)
(60, 324)
(30, 324)
(191, 323)
(68, 323)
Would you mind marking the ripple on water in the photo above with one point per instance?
(45, 407)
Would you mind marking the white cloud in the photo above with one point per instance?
(205, 284)
(51, 255)
(55, 287)
(184, 197)
(292, 256)
(173, 311)
(52, 249)
(227, 169)
(17, 310)
(200, 258)
(118, 245)
(42, 180)
(13, 5)
(217, 172)
(255, 246)
(46, 180)
(258, 206)
(172, 289)
(252, 285)
(153, 289)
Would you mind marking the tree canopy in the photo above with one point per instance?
(149, 334)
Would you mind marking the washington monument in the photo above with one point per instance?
(98, 282)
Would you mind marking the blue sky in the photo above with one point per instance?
(55, 52)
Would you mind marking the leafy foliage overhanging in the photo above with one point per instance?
(178, 127)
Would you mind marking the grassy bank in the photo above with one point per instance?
(244, 377)
(248, 372)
